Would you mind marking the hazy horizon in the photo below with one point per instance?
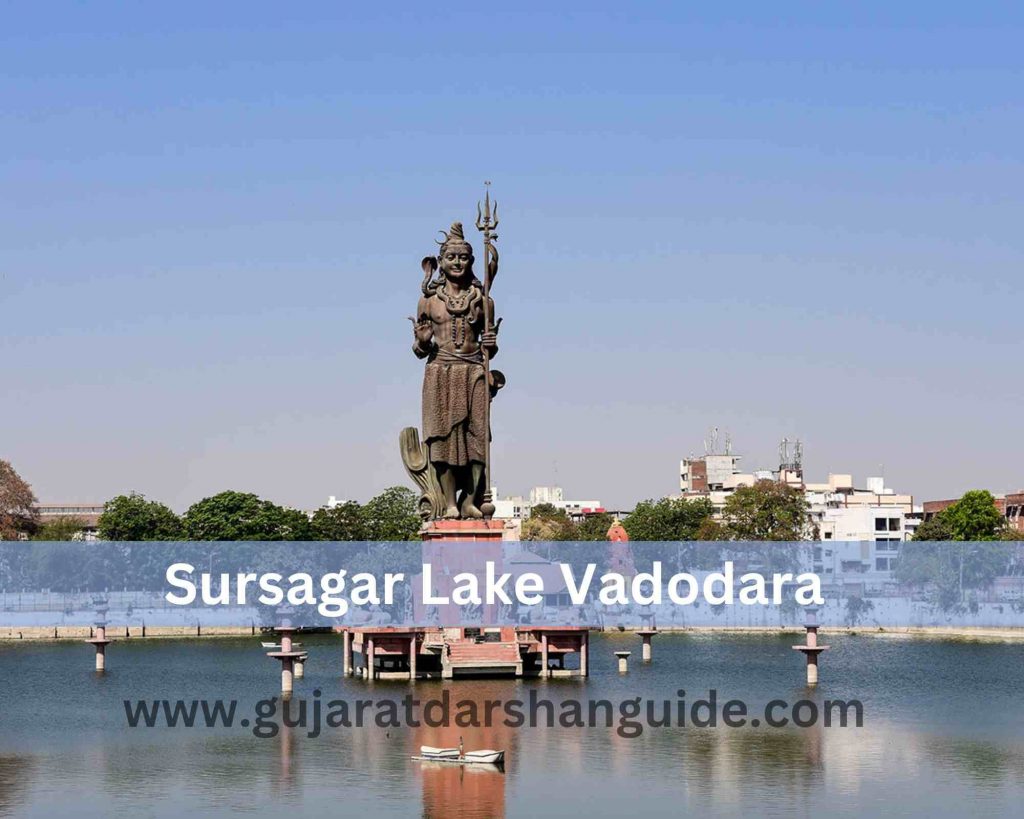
(784, 222)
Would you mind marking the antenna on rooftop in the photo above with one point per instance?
(791, 460)
(711, 442)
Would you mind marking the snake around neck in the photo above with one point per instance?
(463, 303)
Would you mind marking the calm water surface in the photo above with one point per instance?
(943, 735)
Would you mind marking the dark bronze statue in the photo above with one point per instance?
(455, 331)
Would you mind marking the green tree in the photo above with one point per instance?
(58, 567)
(547, 511)
(975, 517)
(392, 515)
(244, 516)
(132, 517)
(923, 562)
(393, 556)
(548, 522)
(856, 609)
(72, 566)
(668, 519)
(949, 568)
(711, 529)
(18, 515)
(594, 527)
(61, 528)
(935, 528)
(679, 520)
(768, 510)
(345, 521)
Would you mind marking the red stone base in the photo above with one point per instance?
(464, 530)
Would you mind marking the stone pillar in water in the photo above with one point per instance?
(100, 641)
(287, 656)
(646, 635)
(811, 649)
(286, 675)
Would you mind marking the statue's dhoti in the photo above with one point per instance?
(455, 409)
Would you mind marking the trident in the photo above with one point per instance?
(486, 223)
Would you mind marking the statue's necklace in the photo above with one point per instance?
(456, 305)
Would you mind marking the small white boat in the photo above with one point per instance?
(486, 757)
(482, 757)
(427, 752)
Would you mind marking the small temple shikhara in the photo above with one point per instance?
(449, 651)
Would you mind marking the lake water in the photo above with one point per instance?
(943, 734)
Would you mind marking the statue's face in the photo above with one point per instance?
(456, 260)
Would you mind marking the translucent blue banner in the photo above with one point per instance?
(595, 584)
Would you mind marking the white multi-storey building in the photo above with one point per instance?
(518, 508)
(716, 477)
(838, 509)
(856, 567)
(841, 511)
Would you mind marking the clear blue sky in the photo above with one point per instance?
(797, 219)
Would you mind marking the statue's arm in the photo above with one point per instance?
(490, 340)
(423, 330)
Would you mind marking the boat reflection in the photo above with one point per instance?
(463, 790)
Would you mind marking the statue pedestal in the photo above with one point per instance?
(470, 531)
(452, 547)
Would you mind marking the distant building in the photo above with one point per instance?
(546, 494)
(841, 511)
(838, 509)
(860, 528)
(852, 568)
(716, 477)
(87, 514)
(711, 473)
(518, 508)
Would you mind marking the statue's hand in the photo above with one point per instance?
(489, 339)
(424, 331)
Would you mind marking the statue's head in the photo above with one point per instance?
(455, 256)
